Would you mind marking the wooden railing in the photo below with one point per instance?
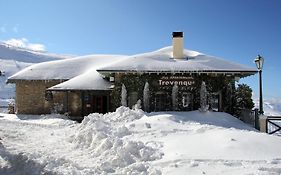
(273, 125)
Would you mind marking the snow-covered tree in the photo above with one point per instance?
(229, 98)
(175, 97)
(203, 98)
(137, 105)
(124, 96)
(146, 97)
(243, 98)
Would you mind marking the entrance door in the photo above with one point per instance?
(100, 104)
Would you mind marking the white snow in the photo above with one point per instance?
(146, 96)
(80, 72)
(7, 91)
(175, 91)
(63, 69)
(133, 142)
(161, 61)
(14, 59)
(271, 106)
(9, 52)
(91, 80)
(123, 95)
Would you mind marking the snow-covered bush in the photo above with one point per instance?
(124, 96)
(203, 98)
(175, 97)
(242, 98)
(137, 105)
(146, 96)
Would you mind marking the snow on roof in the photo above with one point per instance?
(90, 80)
(161, 61)
(64, 69)
(81, 72)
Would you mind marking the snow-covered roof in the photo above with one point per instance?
(64, 69)
(162, 61)
(90, 80)
(83, 73)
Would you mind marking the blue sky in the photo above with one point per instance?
(235, 30)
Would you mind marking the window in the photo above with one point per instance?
(48, 96)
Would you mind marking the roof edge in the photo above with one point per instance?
(195, 71)
(15, 80)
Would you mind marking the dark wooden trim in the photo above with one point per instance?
(70, 90)
(269, 121)
(177, 71)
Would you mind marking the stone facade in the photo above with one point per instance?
(30, 96)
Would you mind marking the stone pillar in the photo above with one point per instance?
(263, 123)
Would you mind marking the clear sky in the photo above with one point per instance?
(236, 30)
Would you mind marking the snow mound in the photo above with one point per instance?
(103, 137)
(124, 114)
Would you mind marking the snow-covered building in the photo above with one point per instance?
(166, 79)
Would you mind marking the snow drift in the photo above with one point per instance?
(102, 136)
(134, 142)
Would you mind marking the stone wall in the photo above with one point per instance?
(30, 96)
(75, 103)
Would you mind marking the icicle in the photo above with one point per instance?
(124, 96)
(175, 96)
(146, 97)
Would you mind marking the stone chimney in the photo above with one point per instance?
(178, 45)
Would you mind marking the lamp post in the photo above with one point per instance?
(259, 63)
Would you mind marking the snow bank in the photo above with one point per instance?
(133, 142)
(103, 135)
(19, 164)
(47, 119)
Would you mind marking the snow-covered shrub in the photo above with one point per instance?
(242, 98)
(203, 98)
(137, 105)
(146, 96)
(124, 96)
(175, 91)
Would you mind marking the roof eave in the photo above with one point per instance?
(15, 80)
(75, 89)
(250, 72)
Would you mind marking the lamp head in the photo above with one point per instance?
(259, 62)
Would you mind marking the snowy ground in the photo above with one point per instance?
(132, 142)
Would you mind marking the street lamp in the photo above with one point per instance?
(259, 63)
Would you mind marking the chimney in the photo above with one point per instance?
(178, 45)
